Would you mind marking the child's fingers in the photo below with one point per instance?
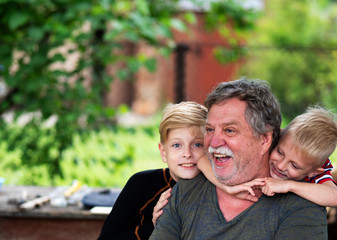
(163, 200)
(165, 195)
(156, 216)
(250, 190)
(159, 213)
(267, 191)
(245, 188)
(257, 182)
(157, 210)
(162, 204)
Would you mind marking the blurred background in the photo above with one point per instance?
(83, 83)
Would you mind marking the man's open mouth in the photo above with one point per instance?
(221, 157)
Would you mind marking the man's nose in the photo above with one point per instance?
(217, 140)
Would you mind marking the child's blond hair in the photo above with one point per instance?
(314, 133)
(180, 115)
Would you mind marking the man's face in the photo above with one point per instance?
(235, 153)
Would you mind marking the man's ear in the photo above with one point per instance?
(267, 139)
(162, 152)
(316, 172)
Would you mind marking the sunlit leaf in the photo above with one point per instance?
(151, 64)
(17, 19)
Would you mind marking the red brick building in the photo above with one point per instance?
(194, 63)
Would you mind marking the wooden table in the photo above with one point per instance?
(45, 222)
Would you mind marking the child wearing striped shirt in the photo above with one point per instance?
(301, 157)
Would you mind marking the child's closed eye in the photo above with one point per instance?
(294, 166)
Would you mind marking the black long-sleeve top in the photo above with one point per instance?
(131, 215)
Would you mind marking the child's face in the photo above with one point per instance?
(182, 150)
(287, 163)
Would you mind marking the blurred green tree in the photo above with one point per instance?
(294, 48)
(38, 38)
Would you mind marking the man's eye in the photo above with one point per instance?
(209, 129)
(229, 131)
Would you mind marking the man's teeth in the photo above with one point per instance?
(220, 155)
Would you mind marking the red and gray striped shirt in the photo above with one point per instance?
(323, 177)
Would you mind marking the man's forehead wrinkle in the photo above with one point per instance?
(225, 122)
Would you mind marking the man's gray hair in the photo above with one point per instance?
(263, 112)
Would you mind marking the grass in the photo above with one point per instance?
(104, 155)
(106, 158)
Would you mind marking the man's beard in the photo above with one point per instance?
(226, 152)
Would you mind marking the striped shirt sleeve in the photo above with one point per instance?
(323, 177)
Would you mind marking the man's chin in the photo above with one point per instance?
(223, 180)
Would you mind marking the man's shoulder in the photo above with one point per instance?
(192, 186)
(292, 198)
(199, 179)
(290, 202)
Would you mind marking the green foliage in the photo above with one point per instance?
(236, 15)
(234, 22)
(226, 55)
(33, 143)
(28, 142)
(39, 37)
(100, 159)
(53, 60)
(296, 54)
